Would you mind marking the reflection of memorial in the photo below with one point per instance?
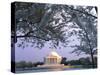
(52, 58)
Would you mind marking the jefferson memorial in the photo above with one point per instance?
(52, 58)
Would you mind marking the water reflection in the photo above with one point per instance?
(46, 70)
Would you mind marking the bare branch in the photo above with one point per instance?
(23, 36)
(86, 13)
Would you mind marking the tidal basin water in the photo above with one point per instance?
(45, 70)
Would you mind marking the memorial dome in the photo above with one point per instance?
(53, 53)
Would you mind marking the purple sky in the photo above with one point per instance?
(34, 54)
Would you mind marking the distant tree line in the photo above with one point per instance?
(24, 64)
(86, 62)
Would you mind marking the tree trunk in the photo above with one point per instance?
(88, 41)
(92, 59)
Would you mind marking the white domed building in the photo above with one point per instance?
(53, 58)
